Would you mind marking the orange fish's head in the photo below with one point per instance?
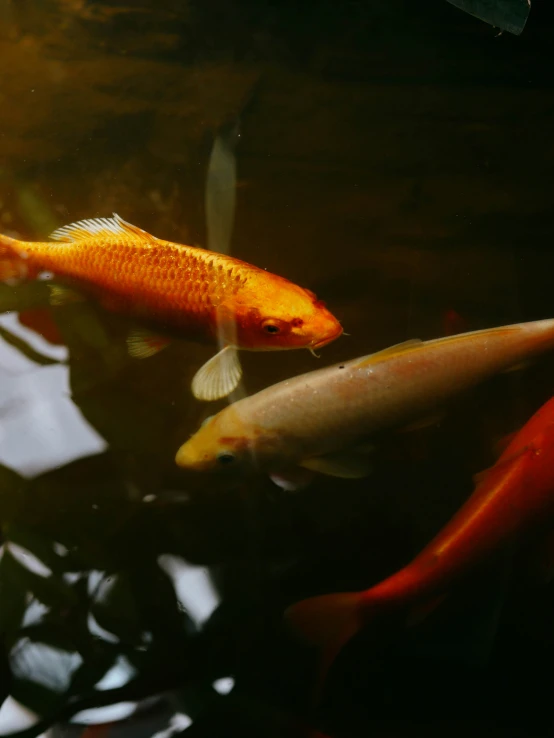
(226, 442)
(292, 317)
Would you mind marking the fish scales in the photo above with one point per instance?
(338, 408)
(175, 290)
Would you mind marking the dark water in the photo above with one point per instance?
(395, 157)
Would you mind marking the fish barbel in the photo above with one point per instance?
(512, 501)
(321, 420)
(179, 291)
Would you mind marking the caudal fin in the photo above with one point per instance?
(327, 622)
(12, 265)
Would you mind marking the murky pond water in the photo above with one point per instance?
(396, 159)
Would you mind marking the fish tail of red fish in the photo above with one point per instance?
(328, 622)
(40, 321)
(13, 264)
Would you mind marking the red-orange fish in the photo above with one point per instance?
(179, 291)
(514, 499)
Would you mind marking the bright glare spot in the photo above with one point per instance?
(43, 664)
(224, 685)
(177, 723)
(28, 560)
(120, 673)
(102, 587)
(70, 577)
(37, 407)
(108, 714)
(34, 613)
(60, 549)
(94, 579)
(14, 717)
(193, 586)
(97, 630)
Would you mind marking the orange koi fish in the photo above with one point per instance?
(178, 291)
(512, 500)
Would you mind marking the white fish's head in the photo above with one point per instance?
(226, 442)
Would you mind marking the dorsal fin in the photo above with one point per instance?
(398, 348)
(106, 227)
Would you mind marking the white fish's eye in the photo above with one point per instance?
(206, 421)
(225, 457)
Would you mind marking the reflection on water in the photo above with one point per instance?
(41, 427)
(393, 157)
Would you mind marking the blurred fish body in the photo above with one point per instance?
(178, 290)
(324, 419)
(512, 500)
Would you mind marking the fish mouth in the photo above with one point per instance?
(330, 337)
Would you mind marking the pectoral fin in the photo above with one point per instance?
(425, 422)
(219, 376)
(292, 480)
(142, 343)
(60, 295)
(346, 464)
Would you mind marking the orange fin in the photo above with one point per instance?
(502, 444)
(99, 227)
(499, 467)
(142, 343)
(328, 622)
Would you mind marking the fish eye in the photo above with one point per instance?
(225, 458)
(270, 326)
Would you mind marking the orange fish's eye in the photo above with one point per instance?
(272, 326)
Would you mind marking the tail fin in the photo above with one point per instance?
(328, 622)
(12, 265)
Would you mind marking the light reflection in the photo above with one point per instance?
(49, 666)
(108, 714)
(59, 548)
(28, 560)
(119, 674)
(178, 722)
(41, 427)
(34, 613)
(193, 586)
(224, 685)
(15, 716)
(97, 630)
